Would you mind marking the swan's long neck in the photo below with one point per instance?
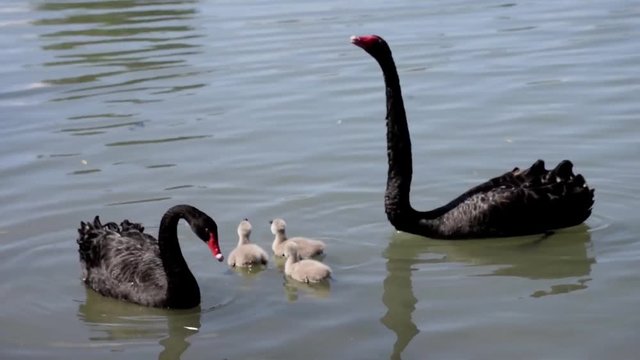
(180, 280)
(397, 202)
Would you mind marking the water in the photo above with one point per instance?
(255, 109)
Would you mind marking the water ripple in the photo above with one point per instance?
(157, 141)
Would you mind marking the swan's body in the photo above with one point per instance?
(305, 270)
(246, 254)
(519, 202)
(307, 248)
(126, 263)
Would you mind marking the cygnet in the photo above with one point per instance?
(304, 270)
(246, 254)
(306, 247)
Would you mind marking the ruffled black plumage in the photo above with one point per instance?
(519, 202)
(124, 262)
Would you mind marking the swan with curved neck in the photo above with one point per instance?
(519, 202)
(124, 262)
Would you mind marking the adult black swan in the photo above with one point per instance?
(519, 202)
(126, 263)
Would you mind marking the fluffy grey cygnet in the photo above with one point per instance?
(304, 270)
(306, 247)
(246, 254)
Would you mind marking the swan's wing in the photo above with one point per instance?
(520, 202)
(135, 230)
(116, 262)
(132, 258)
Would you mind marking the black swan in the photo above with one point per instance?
(520, 202)
(125, 263)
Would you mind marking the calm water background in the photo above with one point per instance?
(259, 109)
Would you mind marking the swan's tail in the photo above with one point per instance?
(568, 200)
(127, 225)
(88, 234)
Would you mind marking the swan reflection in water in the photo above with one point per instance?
(563, 255)
(116, 324)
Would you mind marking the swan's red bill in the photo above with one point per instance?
(364, 41)
(215, 248)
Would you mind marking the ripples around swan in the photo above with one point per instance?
(262, 110)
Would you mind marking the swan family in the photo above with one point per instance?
(123, 261)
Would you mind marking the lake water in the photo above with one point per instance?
(124, 108)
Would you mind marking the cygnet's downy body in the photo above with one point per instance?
(246, 254)
(304, 270)
(307, 248)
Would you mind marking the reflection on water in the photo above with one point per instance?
(152, 77)
(133, 52)
(157, 30)
(398, 295)
(562, 255)
(250, 273)
(114, 322)
(293, 289)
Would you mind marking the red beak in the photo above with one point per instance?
(215, 247)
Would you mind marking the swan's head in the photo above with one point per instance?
(207, 230)
(277, 226)
(244, 229)
(373, 44)
(291, 250)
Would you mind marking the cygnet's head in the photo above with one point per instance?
(291, 250)
(277, 226)
(244, 229)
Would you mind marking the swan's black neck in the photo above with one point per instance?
(182, 288)
(397, 199)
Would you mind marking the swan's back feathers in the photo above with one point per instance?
(518, 202)
(122, 262)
